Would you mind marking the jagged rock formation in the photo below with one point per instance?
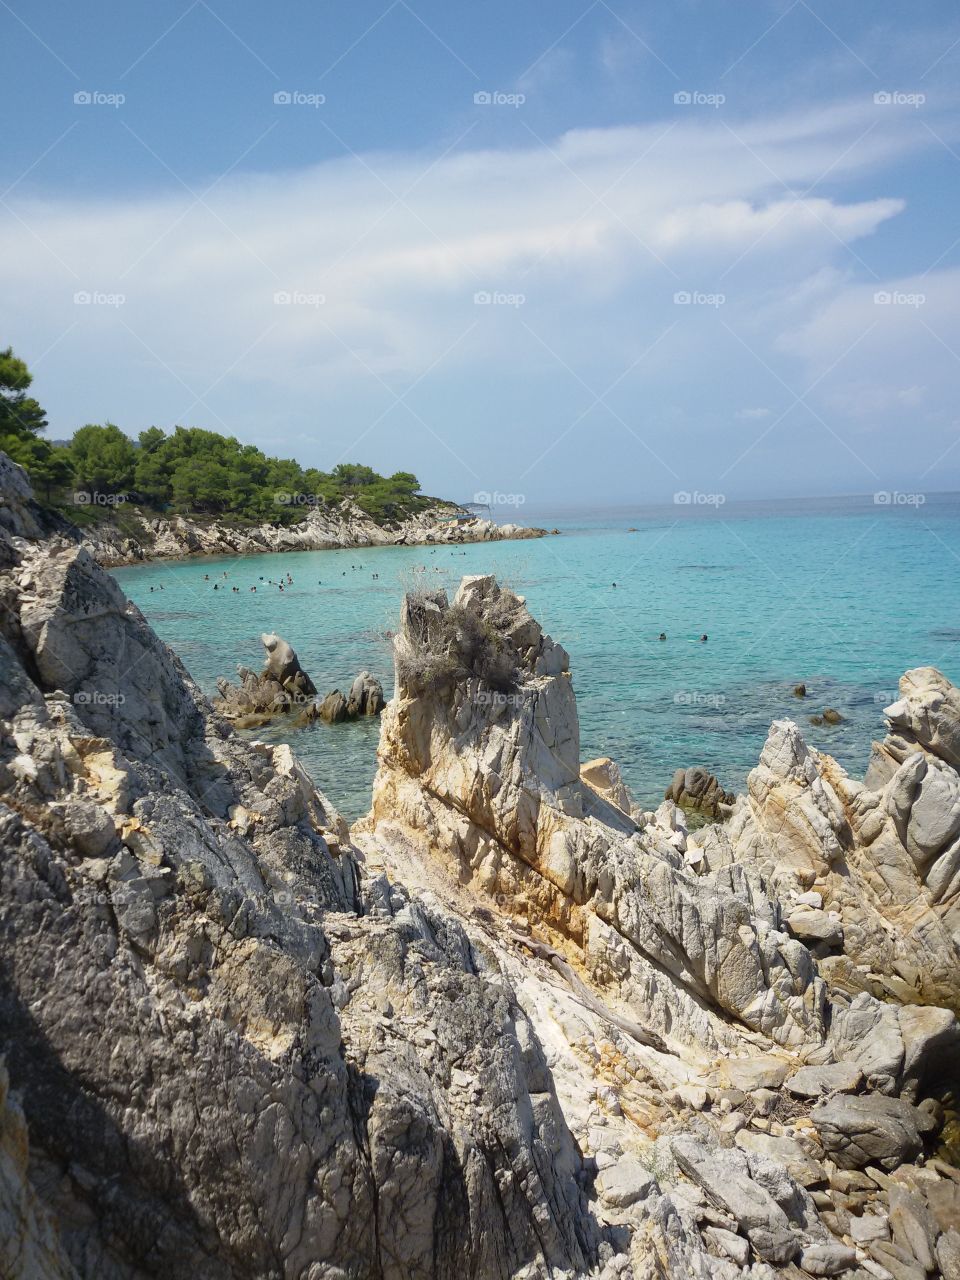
(238, 1055)
(323, 528)
(688, 993)
(493, 785)
(281, 687)
(509, 1026)
(882, 857)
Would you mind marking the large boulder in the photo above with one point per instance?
(869, 1129)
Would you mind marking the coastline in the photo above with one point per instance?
(326, 529)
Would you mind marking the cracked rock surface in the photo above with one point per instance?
(510, 1025)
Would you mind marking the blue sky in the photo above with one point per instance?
(685, 247)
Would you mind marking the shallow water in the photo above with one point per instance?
(839, 594)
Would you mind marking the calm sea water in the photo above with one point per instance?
(840, 594)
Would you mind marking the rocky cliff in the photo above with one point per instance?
(322, 528)
(509, 1026)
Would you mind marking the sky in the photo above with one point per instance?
(575, 251)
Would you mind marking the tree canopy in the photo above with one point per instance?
(189, 471)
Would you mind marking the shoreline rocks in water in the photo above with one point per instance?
(507, 1026)
(322, 529)
(282, 687)
(365, 699)
(697, 791)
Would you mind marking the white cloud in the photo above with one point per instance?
(596, 231)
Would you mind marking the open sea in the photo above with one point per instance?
(840, 594)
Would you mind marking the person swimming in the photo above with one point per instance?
(703, 638)
(663, 635)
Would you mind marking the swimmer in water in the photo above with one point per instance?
(703, 638)
(663, 635)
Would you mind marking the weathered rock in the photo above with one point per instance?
(800, 1166)
(30, 1246)
(725, 1178)
(366, 696)
(834, 1077)
(869, 1227)
(333, 709)
(948, 1255)
(816, 927)
(913, 1227)
(698, 790)
(490, 781)
(282, 687)
(868, 1129)
(198, 1018)
(827, 1259)
(625, 1183)
(340, 525)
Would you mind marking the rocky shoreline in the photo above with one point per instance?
(322, 529)
(508, 1025)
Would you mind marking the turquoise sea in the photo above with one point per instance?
(841, 594)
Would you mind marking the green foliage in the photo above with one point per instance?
(190, 471)
(20, 415)
(104, 459)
